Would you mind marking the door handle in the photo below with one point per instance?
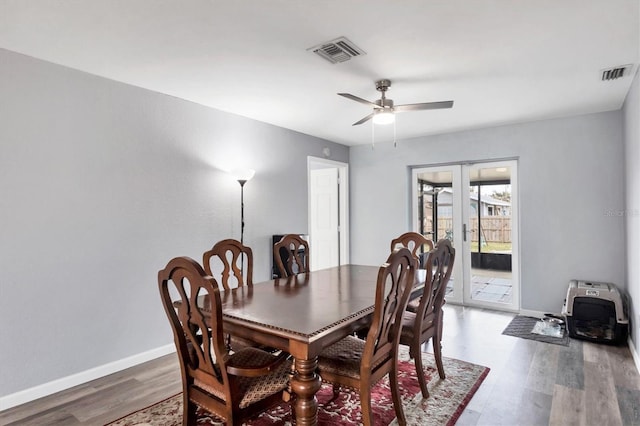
(464, 232)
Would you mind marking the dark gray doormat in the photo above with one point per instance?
(521, 326)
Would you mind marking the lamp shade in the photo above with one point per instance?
(384, 116)
(243, 175)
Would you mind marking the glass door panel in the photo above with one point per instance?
(437, 214)
(491, 220)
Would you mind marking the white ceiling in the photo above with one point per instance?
(501, 61)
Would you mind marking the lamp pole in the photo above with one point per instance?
(242, 176)
(242, 182)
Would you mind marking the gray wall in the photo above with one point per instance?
(103, 183)
(570, 179)
(632, 208)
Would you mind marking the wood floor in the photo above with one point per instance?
(530, 383)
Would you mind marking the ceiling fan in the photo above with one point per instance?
(384, 110)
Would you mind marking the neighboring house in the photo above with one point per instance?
(489, 206)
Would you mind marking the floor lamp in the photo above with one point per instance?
(242, 176)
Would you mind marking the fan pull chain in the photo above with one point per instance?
(373, 134)
(395, 142)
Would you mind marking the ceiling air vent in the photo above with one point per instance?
(615, 73)
(338, 50)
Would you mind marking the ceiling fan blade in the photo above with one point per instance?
(363, 120)
(427, 105)
(357, 99)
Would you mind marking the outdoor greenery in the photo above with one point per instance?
(492, 247)
(502, 195)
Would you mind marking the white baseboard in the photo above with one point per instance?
(634, 353)
(63, 383)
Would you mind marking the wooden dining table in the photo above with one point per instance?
(302, 315)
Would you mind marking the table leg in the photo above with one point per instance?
(305, 383)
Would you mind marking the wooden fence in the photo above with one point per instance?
(495, 229)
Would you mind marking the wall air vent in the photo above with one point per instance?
(616, 73)
(338, 50)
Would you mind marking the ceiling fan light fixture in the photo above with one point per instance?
(384, 116)
(384, 109)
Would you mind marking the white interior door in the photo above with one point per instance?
(324, 234)
(476, 207)
(328, 213)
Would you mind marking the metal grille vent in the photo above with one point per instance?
(338, 50)
(615, 73)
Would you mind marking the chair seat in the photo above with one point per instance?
(254, 389)
(343, 358)
(408, 326)
(413, 305)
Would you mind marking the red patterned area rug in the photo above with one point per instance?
(447, 400)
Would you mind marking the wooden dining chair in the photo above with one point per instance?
(291, 255)
(415, 242)
(233, 387)
(419, 245)
(426, 323)
(359, 364)
(231, 263)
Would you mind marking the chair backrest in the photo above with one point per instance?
(416, 243)
(439, 266)
(291, 255)
(233, 261)
(187, 292)
(394, 283)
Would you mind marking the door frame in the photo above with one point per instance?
(343, 201)
(462, 293)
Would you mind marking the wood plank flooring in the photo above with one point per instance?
(530, 383)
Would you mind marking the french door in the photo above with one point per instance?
(476, 207)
